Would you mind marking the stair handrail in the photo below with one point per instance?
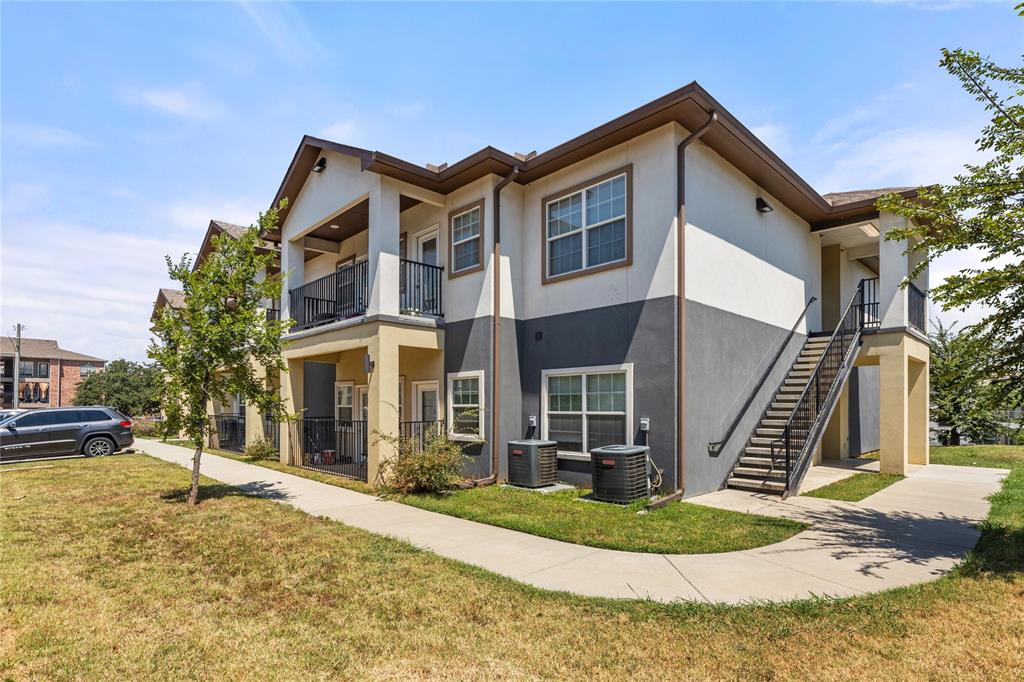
(715, 447)
(814, 379)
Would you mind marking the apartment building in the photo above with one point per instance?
(554, 295)
(48, 375)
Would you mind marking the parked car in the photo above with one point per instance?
(91, 431)
(7, 414)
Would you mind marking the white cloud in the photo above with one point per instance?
(91, 289)
(36, 135)
(194, 216)
(23, 197)
(284, 28)
(775, 136)
(902, 157)
(345, 131)
(187, 101)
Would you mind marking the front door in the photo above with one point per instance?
(425, 395)
(428, 283)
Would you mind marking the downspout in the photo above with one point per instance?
(681, 310)
(496, 333)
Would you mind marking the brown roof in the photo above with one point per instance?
(839, 198)
(172, 297)
(690, 106)
(215, 228)
(42, 348)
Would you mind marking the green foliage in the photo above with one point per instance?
(961, 395)
(210, 348)
(261, 448)
(132, 388)
(147, 429)
(435, 468)
(983, 209)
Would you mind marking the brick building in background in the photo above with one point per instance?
(49, 375)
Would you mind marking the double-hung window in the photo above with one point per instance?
(588, 407)
(588, 226)
(466, 404)
(466, 236)
(343, 401)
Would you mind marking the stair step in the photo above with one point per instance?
(769, 432)
(817, 341)
(755, 461)
(778, 413)
(791, 388)
(775, 487)
(801, 381)
(765, 441)
(759, 474)
(763, 450)
(770, 423)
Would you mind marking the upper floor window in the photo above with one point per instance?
(88, 370)
(587, 227)
(26, 368)
(43, 369)
(466, 238)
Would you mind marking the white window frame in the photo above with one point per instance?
(450, 405)
(417, 407)
(585, 228)
(352, 398)
(479, 236)
(598, 369)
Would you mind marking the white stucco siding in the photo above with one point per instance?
(652, 273)
(853, 272)
(764, 266)
(468, 296)
(326, 194)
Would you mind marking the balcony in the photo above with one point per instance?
(344, 294)
(917, 310)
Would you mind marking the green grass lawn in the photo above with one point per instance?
(107, 575)
(677, 528)
(855, 488)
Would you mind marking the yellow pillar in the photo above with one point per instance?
(253, 417)
(382, 400)
(291, 394)
(893, 413)
(836, 442)
(917, 413)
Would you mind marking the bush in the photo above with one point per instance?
(146, 429)
(261, 448)
(434, 469)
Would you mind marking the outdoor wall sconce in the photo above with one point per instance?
(320, 165)
(367, 364)
(763, 206)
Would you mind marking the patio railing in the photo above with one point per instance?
(230, 431)
(333, 446)
(419, 288)
(421, 431)
(337, 296)
(917, 309)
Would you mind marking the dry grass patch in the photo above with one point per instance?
(106, 575)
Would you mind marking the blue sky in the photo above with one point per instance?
(127, 126)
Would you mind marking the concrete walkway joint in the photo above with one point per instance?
(910, 532)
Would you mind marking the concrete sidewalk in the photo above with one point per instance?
(911, 532)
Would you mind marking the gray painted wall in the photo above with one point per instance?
(641, 333)
(318, 389)
(726, 355)
(864, 410)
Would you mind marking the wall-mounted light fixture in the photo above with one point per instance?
(367, 364)
(763, 206)
(320, 165)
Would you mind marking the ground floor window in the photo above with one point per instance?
(585, 408)
(466, 404)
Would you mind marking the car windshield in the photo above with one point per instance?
(6, 417)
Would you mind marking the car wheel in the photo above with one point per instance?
(98, 447)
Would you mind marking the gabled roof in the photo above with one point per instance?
(42, 348)
(858, 195)
(217, 227)
(690, 106)
(167, 298)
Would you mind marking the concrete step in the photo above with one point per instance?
(791, 388)
(780, 414)
(772, 423)
(801, 381)
(774, 487)
(769, 432)
(755, 450)
(764, 441)
(756, 462)
(759, 474)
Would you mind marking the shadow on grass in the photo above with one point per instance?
(216, 491)
(1000, 551)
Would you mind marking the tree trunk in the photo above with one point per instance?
(193, 496)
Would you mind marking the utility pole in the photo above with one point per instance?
(17, 364)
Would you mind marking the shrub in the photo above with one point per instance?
(147, 429)
(261, 448)
(434, 469)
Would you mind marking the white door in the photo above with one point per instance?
(362, 403)
(426, 402)
(427, 285)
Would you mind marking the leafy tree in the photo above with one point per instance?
(209, 348)
(982, 209)
(962, 396)
(132, 388)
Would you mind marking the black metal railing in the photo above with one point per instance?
(869, 307)
(229, 429)
(916, 308)
(813, 407)
(332, 446)
(273, 314)
(715, 447)
(272, 431)
(421, 431)
(337, 296)
(419, 288)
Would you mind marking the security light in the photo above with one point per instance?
(763, 206)
(320, 165)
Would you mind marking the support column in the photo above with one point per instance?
(893, 409)
(383, 260)
(917, 411)
(835, 444)
(293, 266)
(382, 399)
(892, 265)
(292, 383)
(253, 416)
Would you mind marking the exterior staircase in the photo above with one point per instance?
(755, 469)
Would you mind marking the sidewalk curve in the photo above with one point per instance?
(911, 532)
